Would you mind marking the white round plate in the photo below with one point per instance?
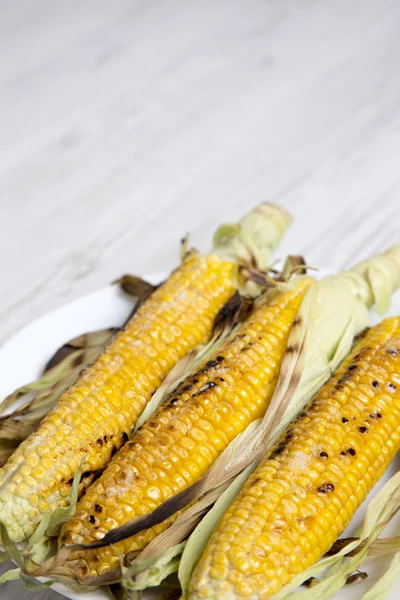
(23, 357)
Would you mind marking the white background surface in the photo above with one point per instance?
(125, 124)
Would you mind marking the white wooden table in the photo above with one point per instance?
(125, 124)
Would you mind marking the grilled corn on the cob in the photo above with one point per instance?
(304, 493)
(180, 442)
(96, 416)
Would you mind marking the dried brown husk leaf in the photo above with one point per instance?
(136, 286)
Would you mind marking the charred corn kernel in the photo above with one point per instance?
(96, 416)
(212, 406)
(308, 488)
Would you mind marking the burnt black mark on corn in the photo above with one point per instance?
(297, 321)
(363, 429)
(379, 415)
(391, 387)
(279, 449)
(186, 388)
(209, 365)
(351, 451)
(352, 367)
(105, 439)
(220, 358)
(100, 441)
(92, 519)
(114, 451)
(375, 384)
(97, 508)
(344, 420)
(324, 454)
(228, 312)
(212, 363)
(348, 374)
(325, 488)
(125, 437)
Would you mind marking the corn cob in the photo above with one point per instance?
(180, 442)
(96, 416)
(303, 494)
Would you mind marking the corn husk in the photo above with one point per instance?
(333, 313)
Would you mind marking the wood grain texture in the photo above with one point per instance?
(125, 124)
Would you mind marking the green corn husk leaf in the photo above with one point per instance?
(333, 313)
(257, 234)
(382, 587)
(151, 573)
(10, 548)
(10, 575)
(34, 585)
